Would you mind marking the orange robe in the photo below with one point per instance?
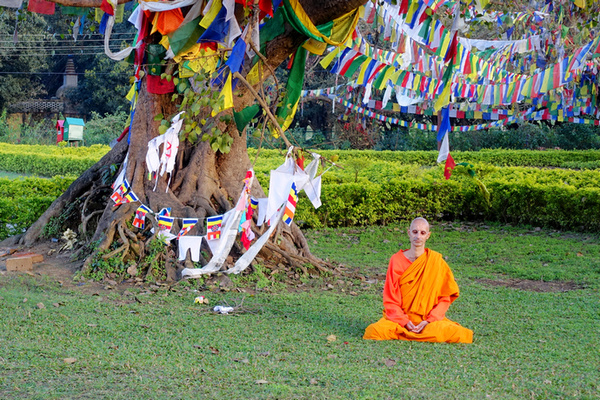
(418, 291)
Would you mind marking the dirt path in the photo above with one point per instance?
(57, 266)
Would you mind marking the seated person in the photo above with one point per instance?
(419, 288)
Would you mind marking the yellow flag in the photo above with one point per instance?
(227, 96)
(444, 98)
(329, 57)
(165, 42)
(131, 93)
(212, 14)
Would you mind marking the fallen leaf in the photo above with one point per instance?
(92, 325)
(41, 306)
(25, 300)
(241, 360)
(313, 381)
(353, 294)
(579, 254)
(547, 382)
(261, 382)
(197, 346)
(213, 350)
(389, 362)
(264, 353)
(132, 270)
(70, 360)
(331, 338)
(56, 304)
(346, 342)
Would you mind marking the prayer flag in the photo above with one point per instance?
(140, 216)
(187, 225)
(165, 211)
(117, 196)
(11, 3)
(290, 207)
(218, 28)
(213, 227)
(107, 7)
(41, 7)
(227, 96)
(130, 197)
(450, 164)
(165, 223)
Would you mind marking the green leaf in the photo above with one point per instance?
(158, 117)
(162, 129)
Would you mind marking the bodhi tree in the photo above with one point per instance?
(212, 160)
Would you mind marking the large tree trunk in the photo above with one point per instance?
(203, 183)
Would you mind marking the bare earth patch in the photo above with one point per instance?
(533, 285)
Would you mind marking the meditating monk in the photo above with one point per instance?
(419, 288)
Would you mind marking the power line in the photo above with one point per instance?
(66, 34)
(62, 40)
(53, 55)
(59, 73)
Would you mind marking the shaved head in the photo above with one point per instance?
(419, 220)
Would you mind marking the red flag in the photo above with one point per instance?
(452, 49)
(403, 7)
(107, 8)
(266, 7)
(41, 7)
(450, 164)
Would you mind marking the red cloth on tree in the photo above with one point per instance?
(155, 85)
(41, 7)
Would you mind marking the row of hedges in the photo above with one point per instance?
(375, 191)
(556, 206)
(578, 159)
(49, 160)
(22, 201)
(357, 204)
(54, 160)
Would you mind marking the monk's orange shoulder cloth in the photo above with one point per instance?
(426, 280)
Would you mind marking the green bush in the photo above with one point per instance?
(49, 160)
(23, 201)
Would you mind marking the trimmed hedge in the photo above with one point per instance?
(23, 201)
(49, 160)
(383, 187)
(524, 158)
(549, 205)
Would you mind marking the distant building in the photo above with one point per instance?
(54, 106)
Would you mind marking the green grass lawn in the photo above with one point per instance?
(158, 344)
